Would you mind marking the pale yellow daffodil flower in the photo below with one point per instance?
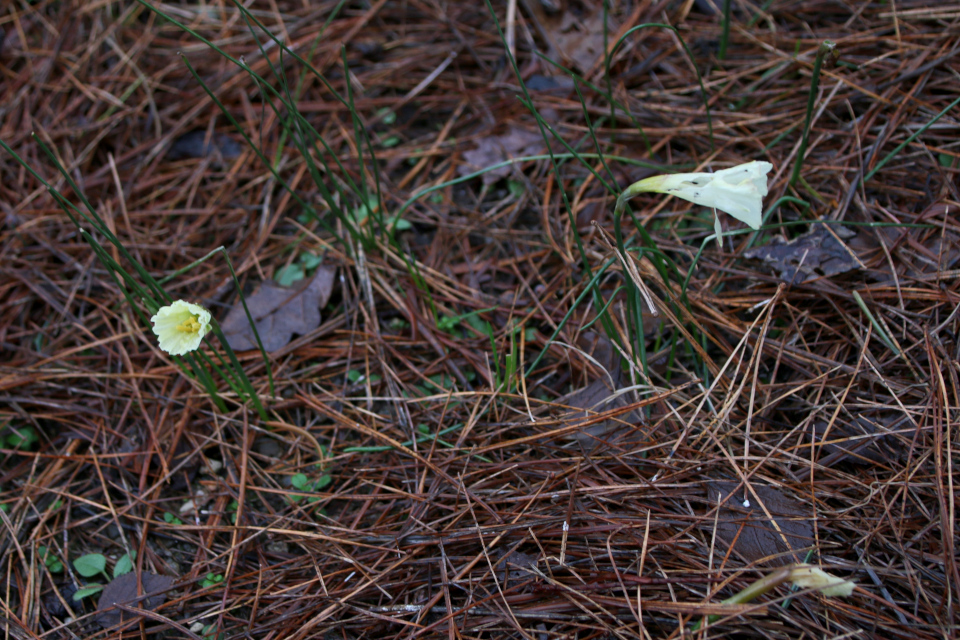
(180, 326)
(738, 191)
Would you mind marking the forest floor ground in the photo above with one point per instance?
(476, 437)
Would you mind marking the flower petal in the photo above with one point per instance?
(807, 577)
(738, 191)
(180, 326)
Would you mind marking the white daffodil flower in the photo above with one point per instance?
(807, 577)
(181, 326)
(738, 190)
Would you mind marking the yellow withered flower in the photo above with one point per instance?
(806, 577)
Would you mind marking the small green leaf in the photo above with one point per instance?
(89, 590)
(50, 560)
(480, 325)
(399, 224)
(322, 482)
(946, 160)
(387, 115)
(124, 564)
(310, 261)
(90, 564)
(354, 375)
(446, 323)
(436, 197)
(299, 481)
(22, 437)
(516, 188)
(212, 580)
(169, 518)
(290, 274)
(391, 141)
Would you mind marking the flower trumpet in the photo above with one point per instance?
(738, 191)
(180, 327)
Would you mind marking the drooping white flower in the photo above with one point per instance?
(738, 190)
(804, 576)
(181, 326)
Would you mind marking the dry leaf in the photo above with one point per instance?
(815, 254)
(279, 312)
(515, 565)
(123, 590)
(491, 150)
(195, 145)
(863, 441)
(755, 535)
(599, 396)
(573, 31)
(580, 41)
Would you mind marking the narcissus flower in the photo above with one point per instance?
(738, 190)
(181, 326)
(807, 577)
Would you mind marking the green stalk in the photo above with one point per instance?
(528, 102)
(725, 36)
(686, 49)
(826, 48)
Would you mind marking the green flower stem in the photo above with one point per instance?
(725, 36)
(635, 313)
(755, 590)
(826, 48)
(761, 586)
(686, 49)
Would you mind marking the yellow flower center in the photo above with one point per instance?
(190, 325)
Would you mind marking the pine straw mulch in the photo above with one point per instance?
(509, 524)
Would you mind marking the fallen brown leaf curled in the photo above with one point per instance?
(815, 254)
(580, 41)
(600, 395)
(753, 535)
(572, 30)
(123, 590)
(279, 312)
(195, 144)
(491, 150)
(864, 440)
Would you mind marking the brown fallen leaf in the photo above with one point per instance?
(123, 590)
(195, 145)
(752, 534)
(512, 565)
(573, 31)
(815, 254)
(864, 440)
(580, 41)
(599, 396)
(279, 312)
(491, 150)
